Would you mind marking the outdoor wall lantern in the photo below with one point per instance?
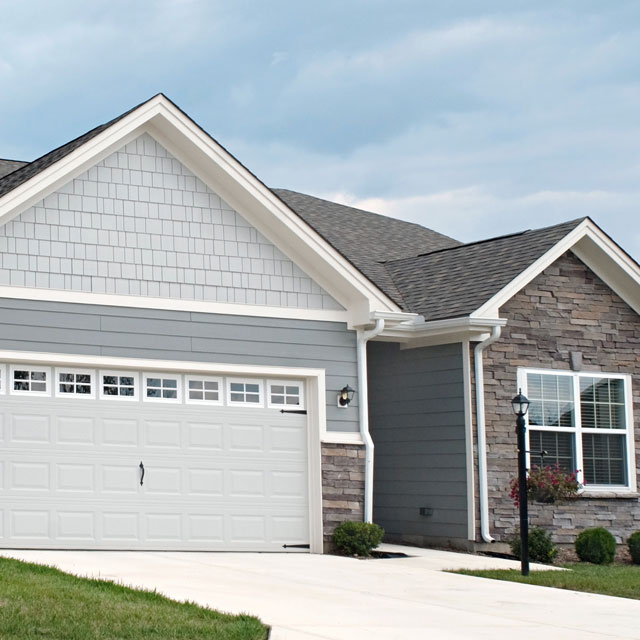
(520, 406)
(345, 397)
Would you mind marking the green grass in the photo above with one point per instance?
(610, 580)
(41, 602)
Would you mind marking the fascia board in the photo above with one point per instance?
(492, 306)
(210, 161)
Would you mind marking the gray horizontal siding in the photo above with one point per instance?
(56, 327)
(416, 403)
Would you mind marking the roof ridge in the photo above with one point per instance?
(493, 239)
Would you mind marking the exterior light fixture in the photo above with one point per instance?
(345, 397)
(520, 406)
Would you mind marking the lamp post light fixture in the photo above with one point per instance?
(520, 406)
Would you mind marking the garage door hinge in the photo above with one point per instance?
(296, 546)
(301, 411)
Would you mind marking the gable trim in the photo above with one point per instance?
(597, 250)
(217, 168)
(173, 304)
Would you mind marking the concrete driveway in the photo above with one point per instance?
(310, 597)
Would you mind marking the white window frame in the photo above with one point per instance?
(578, 429)
(3, 379)
(245, 381)
(285, 383)
(162, 375)
(30, 367)
(119, 372)
(189, 377)
(92, 382)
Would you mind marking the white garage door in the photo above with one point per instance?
(122, 460)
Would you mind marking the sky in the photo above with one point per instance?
(473, 118)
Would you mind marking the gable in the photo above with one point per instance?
(140, 223)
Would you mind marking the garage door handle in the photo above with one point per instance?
(142, 475)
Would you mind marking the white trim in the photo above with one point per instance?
(577, 430)
(3, 379)
(342, 437)
(119, 373)
(245, 382)
(226, 176)
(468, 429)
(218, 380)
(30, 369)
(603, 256)
(174, 304)
(92, 383)
(162, 375)
(286, 383)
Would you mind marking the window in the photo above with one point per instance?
(74, 383)
(118, 385)
(581, 421)
(204, 390)
(3, 382)
(285, 394)
(245, 392)
(31, 381)
(162, 387)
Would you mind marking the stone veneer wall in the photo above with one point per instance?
(566, 308)
(342, 486)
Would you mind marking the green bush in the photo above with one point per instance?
(541, 546)
(357, 538)
(634, 547)
(596, 545)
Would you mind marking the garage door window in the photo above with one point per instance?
(162, 388)
(245, 392)
(204, 390)
(285, 394)
(74, 383)
(28, 381)
(118, 385)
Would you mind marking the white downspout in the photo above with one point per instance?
(482, 439)
(363, 406)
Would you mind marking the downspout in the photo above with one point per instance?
(482, 439)
(363, 406)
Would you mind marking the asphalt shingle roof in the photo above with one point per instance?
(455, 282)
(9, 166)
(366, 239)
(423, 271)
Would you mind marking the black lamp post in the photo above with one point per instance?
(520, 406)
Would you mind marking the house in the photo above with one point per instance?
(190, 360)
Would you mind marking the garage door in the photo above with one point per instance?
(139, 460)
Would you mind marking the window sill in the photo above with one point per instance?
(603, 495)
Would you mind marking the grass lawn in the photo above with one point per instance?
(40, 602)
(610, 580)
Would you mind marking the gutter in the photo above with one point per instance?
(482, 439)
(363, 406)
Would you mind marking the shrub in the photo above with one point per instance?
(634, 547)
(541, 546)
(546, 484)
(357, 538)
(596, 545)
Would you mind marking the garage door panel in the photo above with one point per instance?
(216, 477)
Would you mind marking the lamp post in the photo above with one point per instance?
(520, 406)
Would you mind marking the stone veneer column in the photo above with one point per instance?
(342, 486)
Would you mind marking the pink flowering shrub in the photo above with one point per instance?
(546, 484)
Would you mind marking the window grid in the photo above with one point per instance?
(118, 385)
(247, 393)
(204, 389)
(591, 469)
(161, 387)
(285, 394)
(74, 383)
(30, 381)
